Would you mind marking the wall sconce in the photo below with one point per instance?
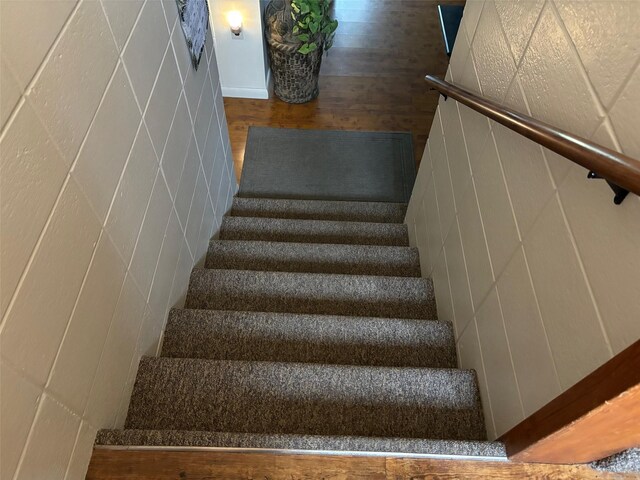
(235, 24)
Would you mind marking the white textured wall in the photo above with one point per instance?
(534, 264)
(115, 172)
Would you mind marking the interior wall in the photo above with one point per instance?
(243, 65)
(532, 262)
(115, 172)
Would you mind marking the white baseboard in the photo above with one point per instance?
(269, 80)
(240, 92)
(260, 93)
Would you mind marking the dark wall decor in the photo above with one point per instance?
(194, 18)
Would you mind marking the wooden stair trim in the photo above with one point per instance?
(165, 465)
(593, 419)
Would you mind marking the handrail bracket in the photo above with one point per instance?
(620, 192)
(444, 95)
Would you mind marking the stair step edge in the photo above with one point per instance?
(320, 399)
(319, 209)
(306, 443)
(313, 231)
(260, 336)
(313, 257)
(322, 293)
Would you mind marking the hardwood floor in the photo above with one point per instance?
(372, 79)
(170, 465)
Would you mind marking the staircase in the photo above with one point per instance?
(309, 328)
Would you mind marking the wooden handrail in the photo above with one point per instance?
(613, 166)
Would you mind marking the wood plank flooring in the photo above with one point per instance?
(170, 465)
(371, 80)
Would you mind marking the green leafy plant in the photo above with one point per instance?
(314, 24)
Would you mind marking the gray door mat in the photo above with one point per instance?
(328, 165)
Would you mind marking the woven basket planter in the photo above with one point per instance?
(295, 76)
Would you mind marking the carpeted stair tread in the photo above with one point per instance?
(313, 231)
(313, 258)
(305, 398)
(310, 328)
(627, 461)
(286, 337)
(319, 210)
(408, 446)
(313, 293)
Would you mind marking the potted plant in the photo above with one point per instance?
(298, 33)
